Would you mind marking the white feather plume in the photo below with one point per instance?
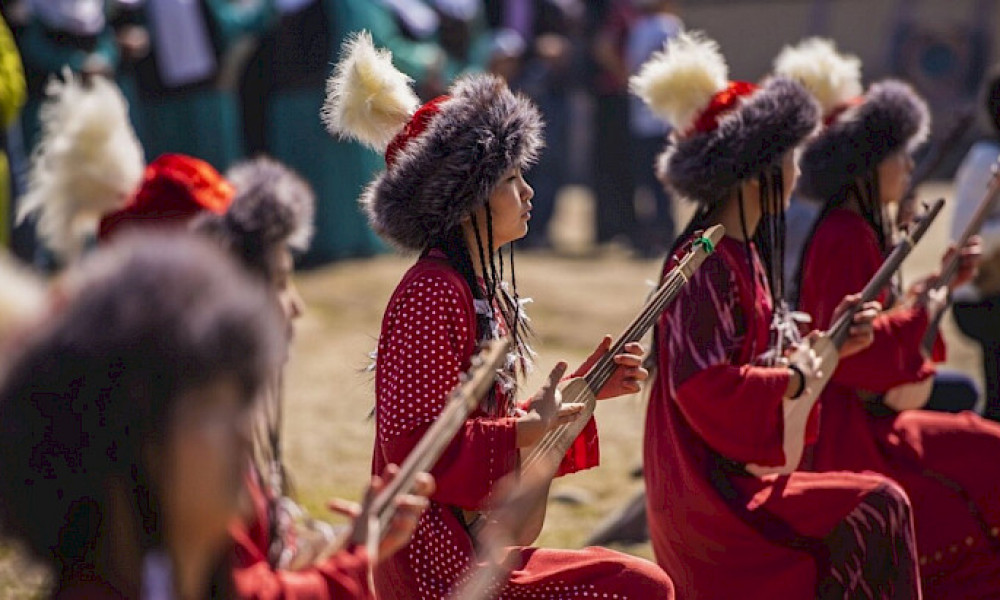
(87, 163)
(367, 98)
(679, 81)
(831, 77)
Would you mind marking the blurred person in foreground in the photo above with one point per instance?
(281, 551)
(977, 305)
(125, 421)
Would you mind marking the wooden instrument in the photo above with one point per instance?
(950, 268)
(374, 520)
(827, 348)
(557, 441)
(932, 160)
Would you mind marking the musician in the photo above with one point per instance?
(859, 163)
(835, 81)
(715, 413)
(125, 421)
(453, 191)
(976, 304)
(277, 555)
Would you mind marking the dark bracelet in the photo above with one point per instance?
(802, 380)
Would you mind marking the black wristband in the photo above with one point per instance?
(802, 380)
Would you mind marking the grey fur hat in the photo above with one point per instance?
(443, 173)
(273, 207)
(704, 166)
(444, 158)
(891, 117)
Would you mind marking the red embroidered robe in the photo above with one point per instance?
(948, 464)
(720, 532)
(428, 338)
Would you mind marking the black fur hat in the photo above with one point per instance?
(724, 131)
(891, 117)
(273, 207)
(774, 119)
(443, 159)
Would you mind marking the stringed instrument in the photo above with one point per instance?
(583, 390)
(828, 344)
(373, 522)
(950, 268)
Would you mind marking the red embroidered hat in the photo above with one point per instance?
(724, 131)
(175, 188)
(444, 158)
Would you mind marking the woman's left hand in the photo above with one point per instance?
(970, 255)
(628, 375)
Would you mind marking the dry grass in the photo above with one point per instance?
(579, 295)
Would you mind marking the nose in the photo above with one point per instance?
(527, 192)
(296, 306)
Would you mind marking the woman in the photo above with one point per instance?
(453, 191)
(124, 421)
(724, 381)
(269, 219)
(857, 165)
(975, 304)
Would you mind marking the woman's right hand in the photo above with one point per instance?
(545, 410)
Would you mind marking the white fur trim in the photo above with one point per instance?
(88, 161)
(367, 98)
(679, 81)
(831, 77)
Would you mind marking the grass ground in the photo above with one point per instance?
(580, 293)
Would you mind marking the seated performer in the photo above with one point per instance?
(723, 384)
(125, 421)
(834, 80)
(453, 191)
(270, 218)
(949, 464)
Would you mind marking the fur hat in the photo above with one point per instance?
(724, 131)
(175, 188)
(444, 158)
(88, 161)
(890, 117)
(273, 207)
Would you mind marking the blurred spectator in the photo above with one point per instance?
(614, 183)
(548, 78)
(125, 431)
(337, 170)
(12, 96)
(187, 80)
(977, 304)
(657, 23)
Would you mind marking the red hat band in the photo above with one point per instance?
(415, 126)
(722, 102)
(841, 109)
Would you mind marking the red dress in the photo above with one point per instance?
(720, 532)
(949, 464)
(428, 338)
(343, 575)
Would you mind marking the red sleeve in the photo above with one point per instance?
(894, 357)
(734, 408)
(344, 575)
(585, 453)
(422, 351)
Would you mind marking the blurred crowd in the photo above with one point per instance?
(227, 79)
